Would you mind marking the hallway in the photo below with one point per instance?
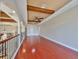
(39, 29)
(41, 48)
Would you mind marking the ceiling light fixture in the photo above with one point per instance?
(13, 11)
(43, 5)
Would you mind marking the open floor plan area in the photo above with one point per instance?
(38, 29)
(36, 47)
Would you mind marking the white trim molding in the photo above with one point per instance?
(68, 6)
(59, 43)
(13, 57)
(9, 12)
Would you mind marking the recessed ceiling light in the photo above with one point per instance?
(13, 11)
(43, 5)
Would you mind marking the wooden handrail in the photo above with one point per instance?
(3, 41)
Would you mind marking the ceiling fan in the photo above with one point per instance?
(36, 19)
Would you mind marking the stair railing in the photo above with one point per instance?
(8, 47)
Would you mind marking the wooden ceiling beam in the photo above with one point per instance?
(7, 20)
(33, 21)
(38, 9)
(3, 14)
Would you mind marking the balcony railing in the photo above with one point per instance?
(8, 47)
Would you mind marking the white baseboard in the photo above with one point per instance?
(13, 57)
(32, 35)
(59, 43)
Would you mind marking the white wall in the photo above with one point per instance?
(62, 29)
(22, 10)
(32, 30)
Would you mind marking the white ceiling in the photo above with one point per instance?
(49, 4)
(20, 7)
(32, 15)
(10, 3)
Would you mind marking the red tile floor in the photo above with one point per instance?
(36, 47)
